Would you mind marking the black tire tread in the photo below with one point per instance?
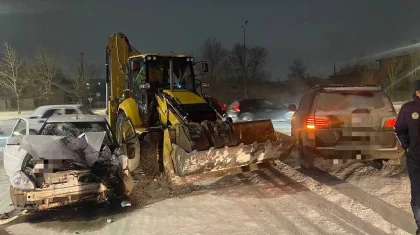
(150, 154)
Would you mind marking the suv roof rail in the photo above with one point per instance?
(320, 86)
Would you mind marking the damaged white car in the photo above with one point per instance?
(72, 159)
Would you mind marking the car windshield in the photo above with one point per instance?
(74, 129)
(351, 100)
(182, 72)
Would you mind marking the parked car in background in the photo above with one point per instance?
(258, 109)
(220, 107)
(42, 113)
(341, 122)
(83, 159)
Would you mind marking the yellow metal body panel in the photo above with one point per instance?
(129, 107)
(119, 51)
(185, 96)
(165, 114)
(255, 131)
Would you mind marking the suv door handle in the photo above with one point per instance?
(41, 121)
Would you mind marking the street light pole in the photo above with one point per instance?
(245, 69)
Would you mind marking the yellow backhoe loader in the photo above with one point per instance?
(181, 134)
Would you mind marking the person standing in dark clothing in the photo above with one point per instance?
(407, 130)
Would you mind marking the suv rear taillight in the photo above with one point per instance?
(236, 107)
(313, 122)
(390, 123)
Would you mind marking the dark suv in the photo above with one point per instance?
(342, 122)
(257, 109)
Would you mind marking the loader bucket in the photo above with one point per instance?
(259, 145)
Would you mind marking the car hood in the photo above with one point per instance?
(84, 149)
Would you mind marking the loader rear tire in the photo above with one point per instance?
(151, 154)
(305, 161)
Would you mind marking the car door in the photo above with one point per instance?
(13, 155)
(264, 109)
(253, 107)
(274, 112)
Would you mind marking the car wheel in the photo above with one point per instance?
(305, 161)
(247, 117)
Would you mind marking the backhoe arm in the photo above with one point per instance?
(117, 53)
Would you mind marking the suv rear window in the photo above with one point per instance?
(351, 100)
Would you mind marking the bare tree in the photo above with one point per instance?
(44, 71)
(297, 69)
(81, 79)
(255, 62)
(395, 71)
(368, 76)
(214, 53)
(12, 73)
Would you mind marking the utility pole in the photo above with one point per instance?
(245, 69)
(82, 78)
(82, 72)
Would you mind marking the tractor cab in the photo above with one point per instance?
(154, 74)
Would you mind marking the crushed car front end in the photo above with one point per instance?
(65, 188)
(59, 171)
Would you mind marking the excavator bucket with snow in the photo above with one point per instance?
(194, 152)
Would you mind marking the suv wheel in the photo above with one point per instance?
(305, 161)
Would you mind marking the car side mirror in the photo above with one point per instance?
(204, 67)
(292, 107)
(13, 140)
(205, 85)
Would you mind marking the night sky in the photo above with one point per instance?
(321, 32)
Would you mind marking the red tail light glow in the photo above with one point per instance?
(221, 105)
(313, 122)
(236, 107)
(390, 123)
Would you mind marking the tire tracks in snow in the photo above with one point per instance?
(282, 219)
(336, 216)
(388, 212)
(344, 206)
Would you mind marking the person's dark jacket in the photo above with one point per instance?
(407, 127)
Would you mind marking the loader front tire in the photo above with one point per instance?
(305, 161)
(150, 154)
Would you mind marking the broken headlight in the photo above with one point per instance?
(21, 181)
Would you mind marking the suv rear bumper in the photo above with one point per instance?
(356, 154)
